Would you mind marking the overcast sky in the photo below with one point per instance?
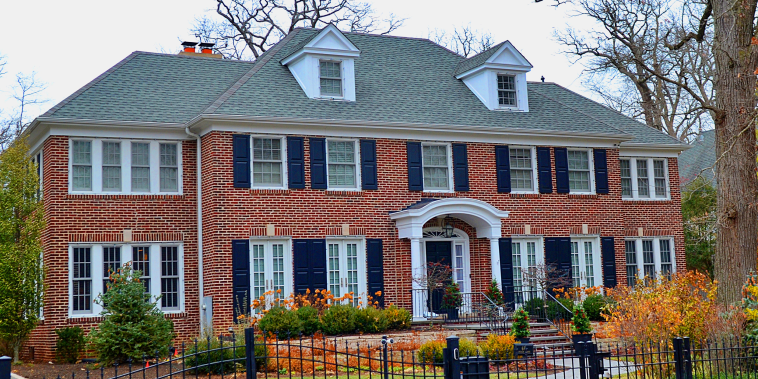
(69, 43)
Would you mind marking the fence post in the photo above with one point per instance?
(250, 353)
(678, 358)
(451, 359)
(5, 367)
(581, 348)
(385, 347)
(686, 358)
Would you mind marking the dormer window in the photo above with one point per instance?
(331, 78)
(506, 90)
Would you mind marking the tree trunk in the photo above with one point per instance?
(735, 84)
(15, 352)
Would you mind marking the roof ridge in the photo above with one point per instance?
(89, 85)
(578, 110)
(610, 109)
(268, 55)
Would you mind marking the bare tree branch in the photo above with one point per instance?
(463, 40)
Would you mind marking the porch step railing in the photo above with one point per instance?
(541, 305)
(475, 308)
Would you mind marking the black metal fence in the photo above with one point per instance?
(258, 355)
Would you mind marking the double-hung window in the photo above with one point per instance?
(346, 269)
(523, 172)
(98, 166)
(436, 162)
(81, 165)
(111, 166)
(91, 267)
(342, 164)
(649, 257)
(506, 90)
(140, 167)
(268, 163)
(169, 167)
(579, 171)
(644, 178)
(330, 78)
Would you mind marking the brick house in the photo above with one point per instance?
(341, 161)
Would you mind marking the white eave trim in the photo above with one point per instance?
(206, 123)
(627, 149)
(494, 66)
(316, 51)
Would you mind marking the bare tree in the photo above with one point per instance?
(26, 93)
(462, 40)
(435, 277)
(735, 54)
(633, 31)
(545, 277)
(247, 28)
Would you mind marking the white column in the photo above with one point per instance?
(417, 268)
(495, 261)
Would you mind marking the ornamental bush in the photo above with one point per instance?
(397, 318)
(594, 305)
(70, 344)
(281, 322)
(210, 356)
(338, 319)
(430, 352)
(370, 320)
(493, 292)
(580, 321)
(132, 324)
(520, 324)
(452, 299)
(309, 319)
(498, 347)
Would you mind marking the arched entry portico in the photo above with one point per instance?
(484, 218)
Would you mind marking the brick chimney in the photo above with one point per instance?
(206, 50)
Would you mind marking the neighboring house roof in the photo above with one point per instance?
(398, 80)
(700, 159)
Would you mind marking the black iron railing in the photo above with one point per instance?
(474, 308)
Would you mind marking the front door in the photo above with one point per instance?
(438, 252)
(585, 262)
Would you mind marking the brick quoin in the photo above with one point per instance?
(236, 213)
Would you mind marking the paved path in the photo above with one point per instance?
(615, 368)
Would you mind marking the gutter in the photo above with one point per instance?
(201, 290)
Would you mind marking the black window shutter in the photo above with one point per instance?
(503, 167)
(375, 269)
(544, 170)
(608, 249)
(368, 165)
(309, 257)
(415, 174)
(558, 255)
(295, 162)
(460, 167)
(561, 170)
(241, 277)
(318, 163)
(601, 171)
(241, 154)
(506, 270)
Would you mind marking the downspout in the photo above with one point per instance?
(201, 290)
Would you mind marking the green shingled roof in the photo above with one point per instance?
(399, 80)
(476, 60)
(699, 159)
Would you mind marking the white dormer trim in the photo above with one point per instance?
(329, 45)
(329, 41)
(482, 80)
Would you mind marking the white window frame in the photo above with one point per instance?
(361, 258)
(97, 274)
(597, 261)
(450, 183)
(38, 160)
(126, 167)
(342, 78)
(535, 183)
(650, 178)
(268, 244)
(591, 162)
(357, 150)
(656, 255)
(121, 163)
(539, 258)
(285, 178)
(515, 90)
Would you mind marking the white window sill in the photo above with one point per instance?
(337, 98)
(343, 190)
(122, 193)
(581, 193)
(90, 315)
(646, 198)
(268, 188)
(524, 192)
(438, 191)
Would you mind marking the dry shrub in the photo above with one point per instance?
(658, 310)
(498, 347)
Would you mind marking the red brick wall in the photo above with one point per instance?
(232, 213)
(102, 218)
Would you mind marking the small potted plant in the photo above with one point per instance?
(452, 300)
(581, 326)
(493, 292)
(520, 326)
